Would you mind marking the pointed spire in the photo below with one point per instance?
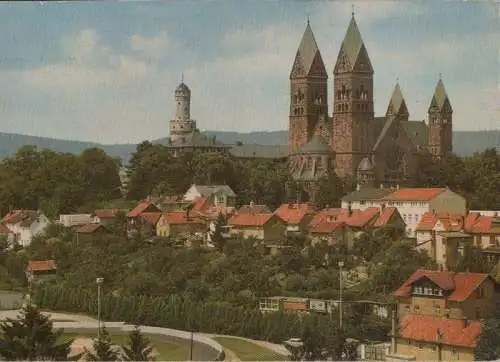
(397, 102)
(440, 96)
(182, 77)
(353, 47)
(352, 6)
(308, 50)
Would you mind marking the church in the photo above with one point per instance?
(350, 140)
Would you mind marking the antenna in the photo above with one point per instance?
(182, 77)
(308, 19)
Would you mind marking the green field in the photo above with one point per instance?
(167, 351)
(248, 351)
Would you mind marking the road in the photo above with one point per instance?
(80, 321)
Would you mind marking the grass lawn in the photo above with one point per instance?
(248, 351)
(167, 351)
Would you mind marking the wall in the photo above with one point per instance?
(430, 351)
(448, 201)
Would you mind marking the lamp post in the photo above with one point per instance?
(99, 282)
(341, 265)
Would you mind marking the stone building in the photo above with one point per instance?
(360, 146)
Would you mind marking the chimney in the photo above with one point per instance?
(358, 187)
(381, 186)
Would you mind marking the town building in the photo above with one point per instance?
(439, 315)
(350, 140)
(412, 203)
(180, 224)
(296, 216)
(25, 224)
(267, 228)
(89, 232)
(219, 195)
(446, 236)
(40, 270)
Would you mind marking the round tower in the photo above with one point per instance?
(182, 125)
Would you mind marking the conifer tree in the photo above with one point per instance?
(102, 349)
(30, 337)
(138, 347)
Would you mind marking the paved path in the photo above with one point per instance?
(80, 321)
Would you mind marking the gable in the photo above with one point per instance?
(363, 63)
(343, 63)
(298, 69)
(318, 66)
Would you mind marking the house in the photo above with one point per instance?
(439, 315)
(254, 209)
(413, 203)
(69, 220)
(7, 234)
(89, 232)
(444, 236)
(107, 216)
(267, 228)
(296, 216)
(179, 223)
(343, 226)
(470, 296)
(40, 270)
(149, 221)
(432, 338)
(25, 224)
(364, 197)
(220, 195)
(134, 220)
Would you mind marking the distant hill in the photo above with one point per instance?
(465, 143)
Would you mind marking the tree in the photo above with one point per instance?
(472, 261)
(138, 347)
(488, 345)
(31, 337)
(102, 348)
(330, 191)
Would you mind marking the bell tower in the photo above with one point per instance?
(352, 102)
(440, 122)
(308, 92)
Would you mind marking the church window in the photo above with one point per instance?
(346, 107)
(295, 99)
(338, 95)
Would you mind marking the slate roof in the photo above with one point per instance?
(259, 151)
(368, 193)
(353, 44)
(308, 50)
(317, 145)
(207, 190)
(440, 96)
(198, 140)
(183, 88)
(365, 165)
(397, 100)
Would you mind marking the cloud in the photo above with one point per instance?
(87, 65)
(153, 47)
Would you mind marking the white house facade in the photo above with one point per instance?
(25, 224)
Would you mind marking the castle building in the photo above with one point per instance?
(351, 141)
(185, 137)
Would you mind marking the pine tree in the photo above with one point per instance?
(31, 337)
(102, 349)
(488, 345)
(138, 347)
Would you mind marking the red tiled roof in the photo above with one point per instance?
(254, 209)
(4, 230)
(200, 203)
(362, 218)
(385, 216)
(16, 216)
(474, 223)
(326, 227)
(89, 228)
(141, 207)
(328, 214)
(108, 213)
(293, 214)
(428, 328)
(242, 220)
(180, 217)
(462, 285)
(42, 265)
(414, 194)
(151, 217)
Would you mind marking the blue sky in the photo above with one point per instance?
(106, 71)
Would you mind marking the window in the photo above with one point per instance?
(434, 347)
(454, 352)
(420, 346)
(437, 309)
(480, 293)
(416, 309)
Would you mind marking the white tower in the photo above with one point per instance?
(182, 125)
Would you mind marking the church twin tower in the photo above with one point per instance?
(353, 134)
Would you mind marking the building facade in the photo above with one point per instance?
(362, 146)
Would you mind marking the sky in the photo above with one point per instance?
(106, 71)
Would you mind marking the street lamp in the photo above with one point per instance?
(99, 282)
(341, 265)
